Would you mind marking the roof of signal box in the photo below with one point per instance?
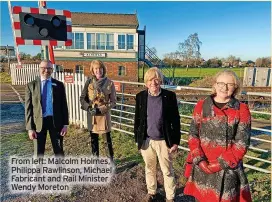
(104, 19)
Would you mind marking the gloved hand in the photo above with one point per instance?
(94, 111)
(214, 167)
(103, 109)
(203, 165)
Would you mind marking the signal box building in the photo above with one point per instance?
(111, 38)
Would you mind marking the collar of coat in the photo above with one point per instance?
(162, 93)
(208, 105)
(39, 80)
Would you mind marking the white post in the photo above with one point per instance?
(73, 102)
(84, 112)
(76, 98)
(80, 87)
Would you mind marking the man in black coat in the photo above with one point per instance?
(46, 110)
(157, 132)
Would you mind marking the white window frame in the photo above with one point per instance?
(75, 40)
(132, 43)
(96, 40)
(109, 41)
(87, 41)
(118, 41)
(73, 47)
(115, 41)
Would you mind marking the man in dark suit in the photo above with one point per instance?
(46, 110)
(157, 132)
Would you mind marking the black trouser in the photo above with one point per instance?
(56, 139)
(106, 141)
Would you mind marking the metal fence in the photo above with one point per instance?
(123, 113)
(125, 119)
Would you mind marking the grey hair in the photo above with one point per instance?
(153, 72)
(235, 77)
(47, 61)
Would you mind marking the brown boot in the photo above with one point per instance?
(169, 200)
(148, 198)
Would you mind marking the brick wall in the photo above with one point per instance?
(112, 69)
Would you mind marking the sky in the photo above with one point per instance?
(242, 29)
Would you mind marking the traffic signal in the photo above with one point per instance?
(40, 26)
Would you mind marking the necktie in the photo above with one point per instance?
(44, 96)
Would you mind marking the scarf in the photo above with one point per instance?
(99, 84)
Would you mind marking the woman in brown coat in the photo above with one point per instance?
(97, 98)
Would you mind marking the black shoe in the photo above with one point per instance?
(148, 198)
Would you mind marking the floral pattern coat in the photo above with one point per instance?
(219, 135)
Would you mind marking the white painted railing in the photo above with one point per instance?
(73, 91)
(23, 75)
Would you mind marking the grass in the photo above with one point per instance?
(17, 144)
(261, 116)
(197, 72)
(77, 143)
(201, 72)
(260, 186)
(5, 77)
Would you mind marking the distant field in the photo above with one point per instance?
(200, 72)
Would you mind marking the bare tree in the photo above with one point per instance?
(189, 50)
(263, 62)
(259, 62)
(231, 59)
(236, 62)
(172, 60)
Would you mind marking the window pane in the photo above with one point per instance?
(69, 70)
(130, 41)
(73, 42)
(110, 42)
(101, 41)
(90, 41)
(79, 69)
(59, 68)
(79, 41)
(121, 71)
(121, 41)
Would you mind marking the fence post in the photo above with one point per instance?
(76, 83)
(122, 102)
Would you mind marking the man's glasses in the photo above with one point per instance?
(48, 68)
(229, 85)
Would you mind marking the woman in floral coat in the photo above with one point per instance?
(218, 140)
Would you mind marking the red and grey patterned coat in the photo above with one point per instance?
(219, 135)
